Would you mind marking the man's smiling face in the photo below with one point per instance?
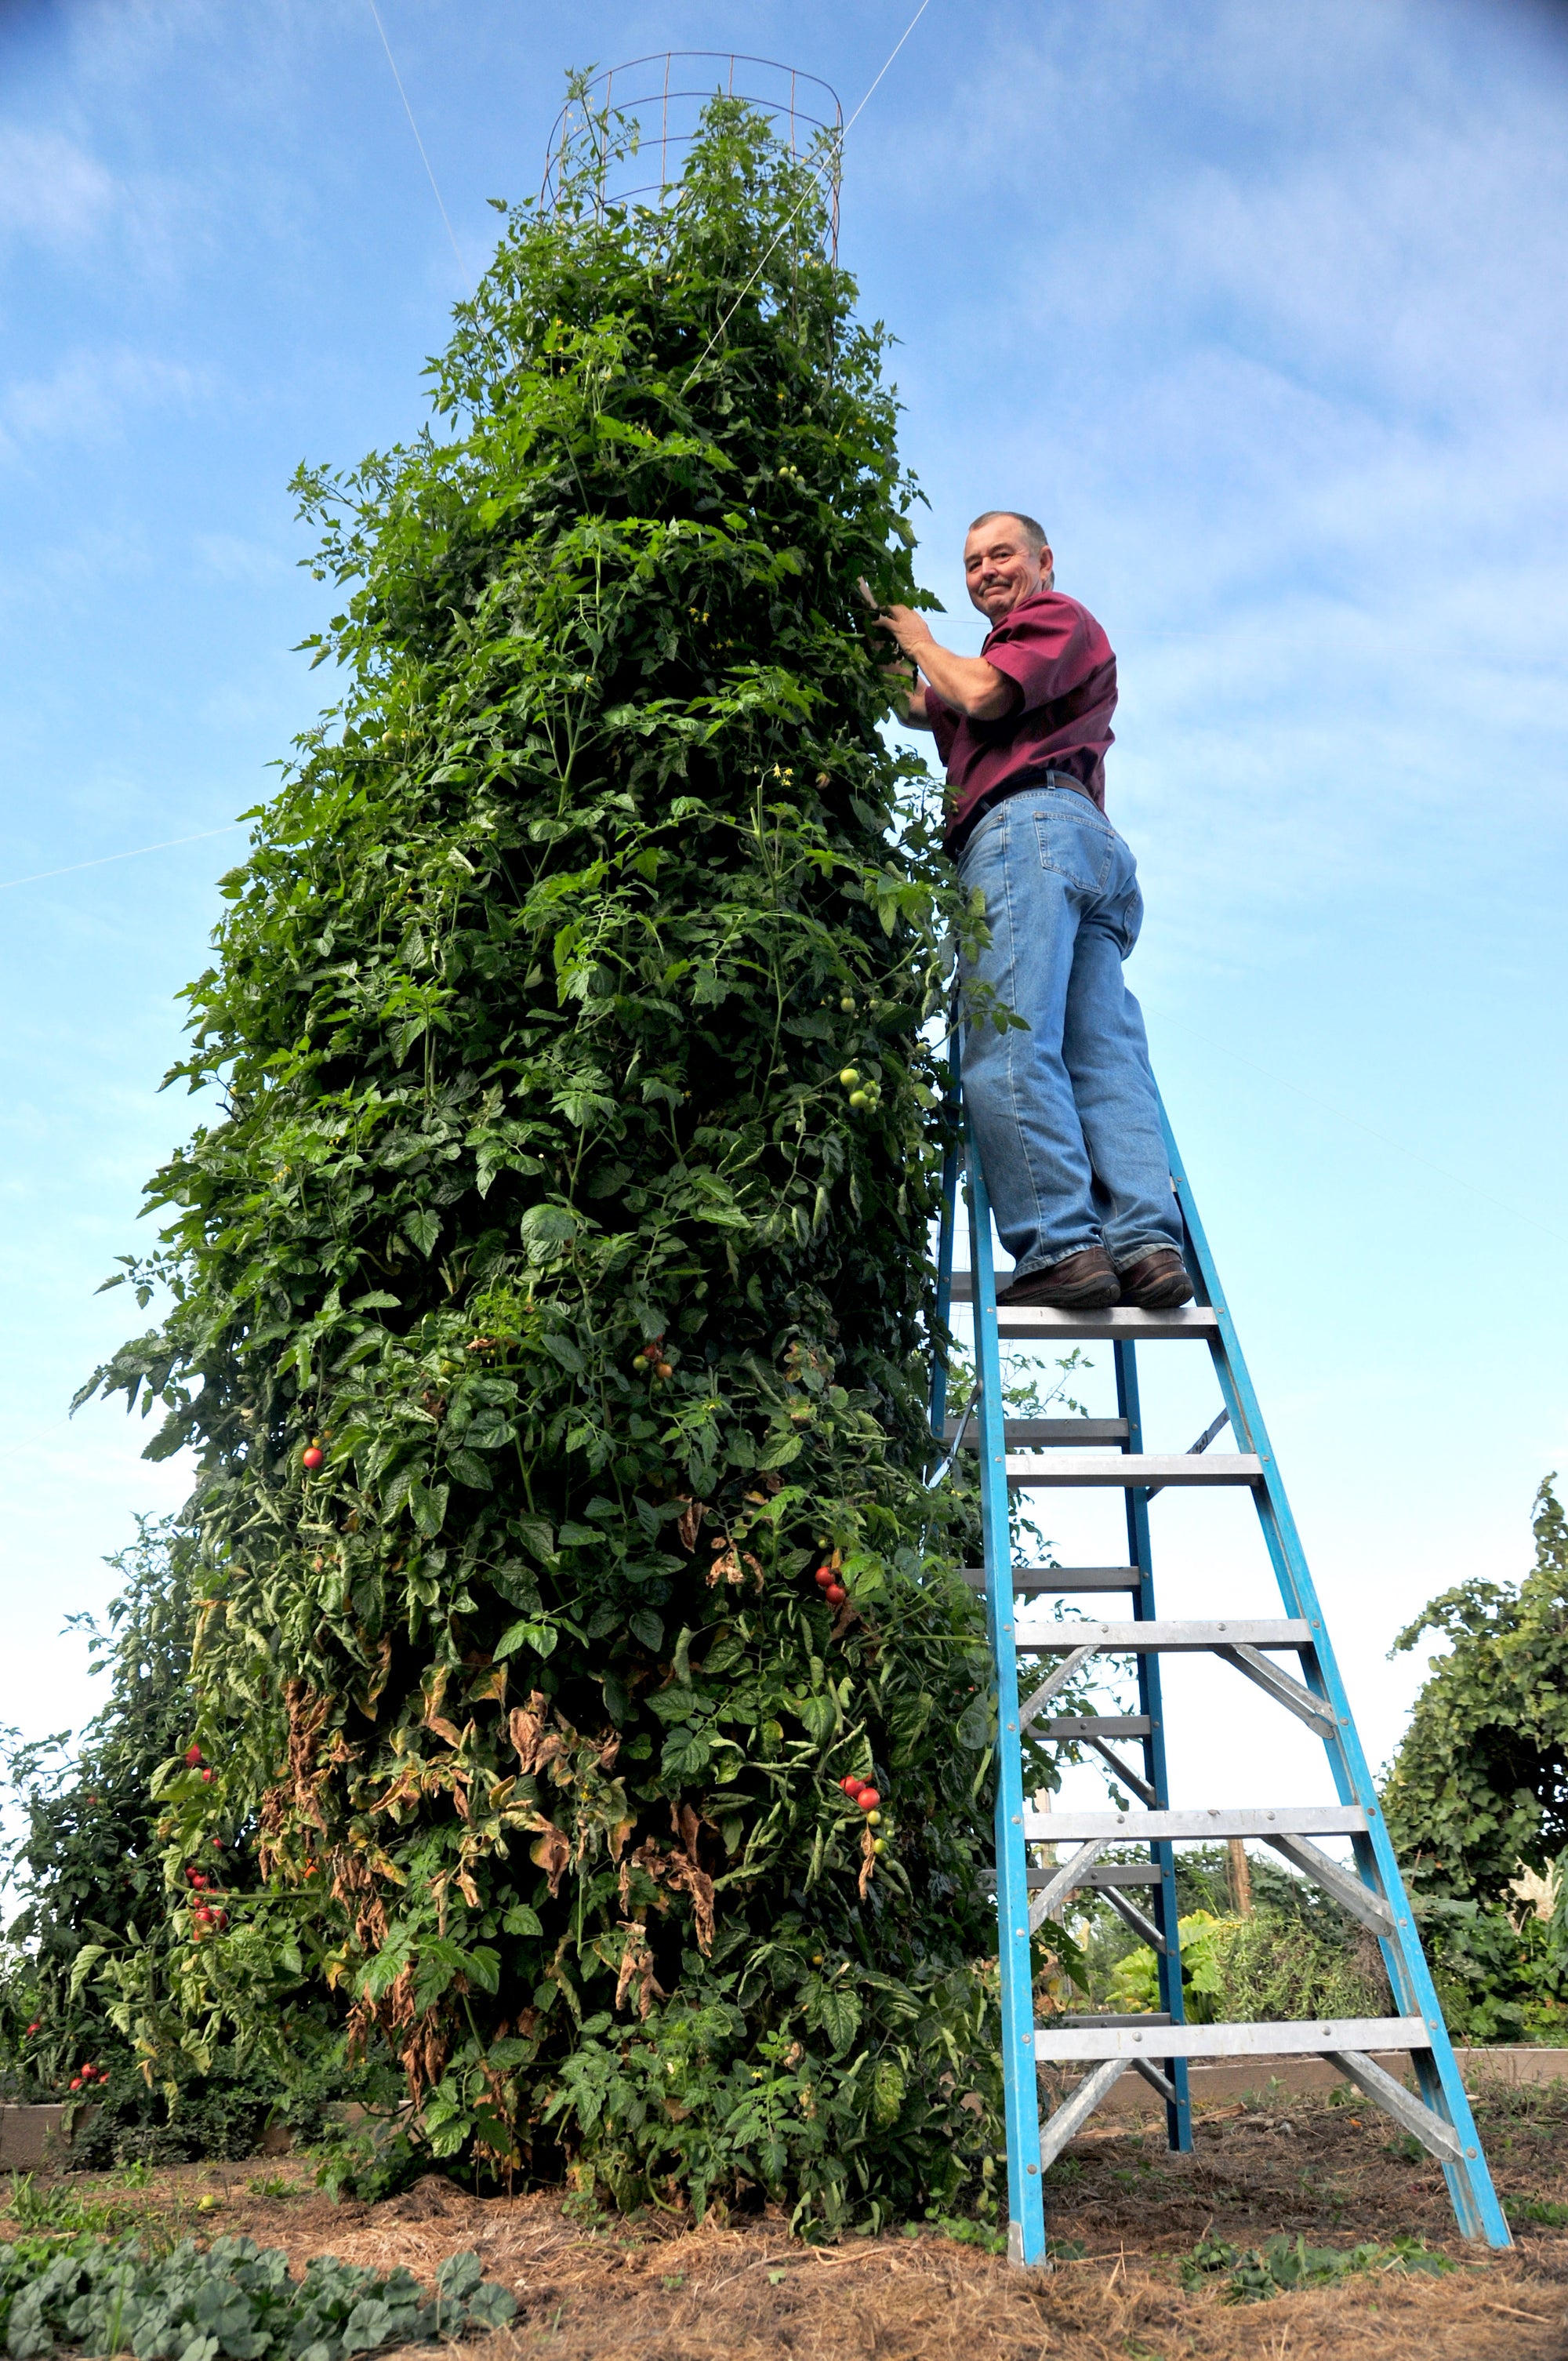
(999, 567)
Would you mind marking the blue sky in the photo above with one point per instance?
(1262, 309)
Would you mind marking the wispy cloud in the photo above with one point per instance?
(1292, 296)
(51, 191)
(90, 394)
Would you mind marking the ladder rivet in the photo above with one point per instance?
(1034, 2168)
(1469, 2151)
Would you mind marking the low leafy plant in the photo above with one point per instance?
(1540, 2212)
(56, 2208)
(1254, 2274)
(236, 2299)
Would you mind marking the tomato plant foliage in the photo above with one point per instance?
(571, 1194)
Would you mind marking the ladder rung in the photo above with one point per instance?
(1097, 1725)
(1186, 1828)
(1155, 1637)
(1043, 1433)
(1362, 2033)
(1101, 1875)
(1129, 1469)
(1062, 1577)
(1119, 1325)
(1090, 2021)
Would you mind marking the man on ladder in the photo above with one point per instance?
(1064, 1107)
(1068, 1142)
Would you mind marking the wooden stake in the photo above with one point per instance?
(1240, 1878)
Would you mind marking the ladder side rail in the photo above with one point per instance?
(1151, 1705)
(1470, 2186)
(1026, 2196)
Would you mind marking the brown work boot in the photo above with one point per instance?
(1083, 1282)
(1157, 1282)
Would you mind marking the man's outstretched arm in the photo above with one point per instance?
(968, 683)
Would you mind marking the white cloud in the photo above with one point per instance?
(51, 191)
(88, 396)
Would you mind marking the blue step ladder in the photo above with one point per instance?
(1049, 1453)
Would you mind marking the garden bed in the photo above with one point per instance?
(1335, 2175)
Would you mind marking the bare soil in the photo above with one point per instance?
(661, 2289)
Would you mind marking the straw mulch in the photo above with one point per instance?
(660, 2289)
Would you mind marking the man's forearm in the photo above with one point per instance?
(968, 683)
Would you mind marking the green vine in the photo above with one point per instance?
(547, 1305)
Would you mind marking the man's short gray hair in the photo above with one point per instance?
(1033, 530)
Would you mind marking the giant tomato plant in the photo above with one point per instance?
(570, 1200)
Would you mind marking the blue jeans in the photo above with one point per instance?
(1065, 1114)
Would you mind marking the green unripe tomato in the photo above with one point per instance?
(848, 1005)
(873, 1819)
(849, 1077)
(879, 1845)
(860, 1099)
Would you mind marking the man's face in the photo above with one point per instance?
(1001, 569)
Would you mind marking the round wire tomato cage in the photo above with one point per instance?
(659, 100)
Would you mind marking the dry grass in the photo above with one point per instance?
(745, 2291)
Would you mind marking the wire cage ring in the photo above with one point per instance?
(663, 95)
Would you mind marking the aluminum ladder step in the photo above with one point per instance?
(1042, 1433)
(1130, 1639)
(1201, 1826)
(1101, 1875)
(1061, 1578)
(1133, 1470)
(1054, 2047)
(1199, 1321)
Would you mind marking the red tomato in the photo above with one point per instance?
(835, 1594)
(868, 1799)
(206, 1778)
(851, 1785)
(312, 1456)
(192, 1756)
(825, 1574)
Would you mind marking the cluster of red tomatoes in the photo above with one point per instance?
(827, 1583)
(85, 2076)
(193, 1761)
(206, 1917)
(868, 1799)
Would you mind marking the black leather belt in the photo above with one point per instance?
(988, 804)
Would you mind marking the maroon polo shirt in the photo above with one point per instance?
(1066, 673)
